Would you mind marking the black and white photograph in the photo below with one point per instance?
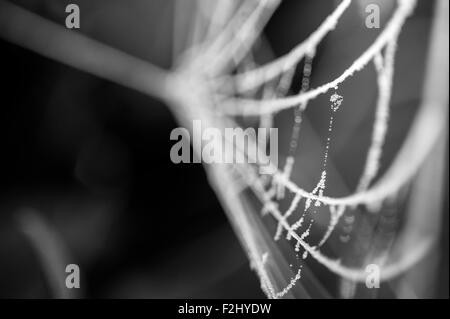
(224, 153)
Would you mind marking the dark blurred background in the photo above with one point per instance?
(91, 158)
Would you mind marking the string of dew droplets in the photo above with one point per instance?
(336, 101)
(298, 113)
(293, 144)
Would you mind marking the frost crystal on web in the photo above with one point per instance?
(336, 101)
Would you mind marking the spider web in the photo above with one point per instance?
(217, 80)
(276, 77)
